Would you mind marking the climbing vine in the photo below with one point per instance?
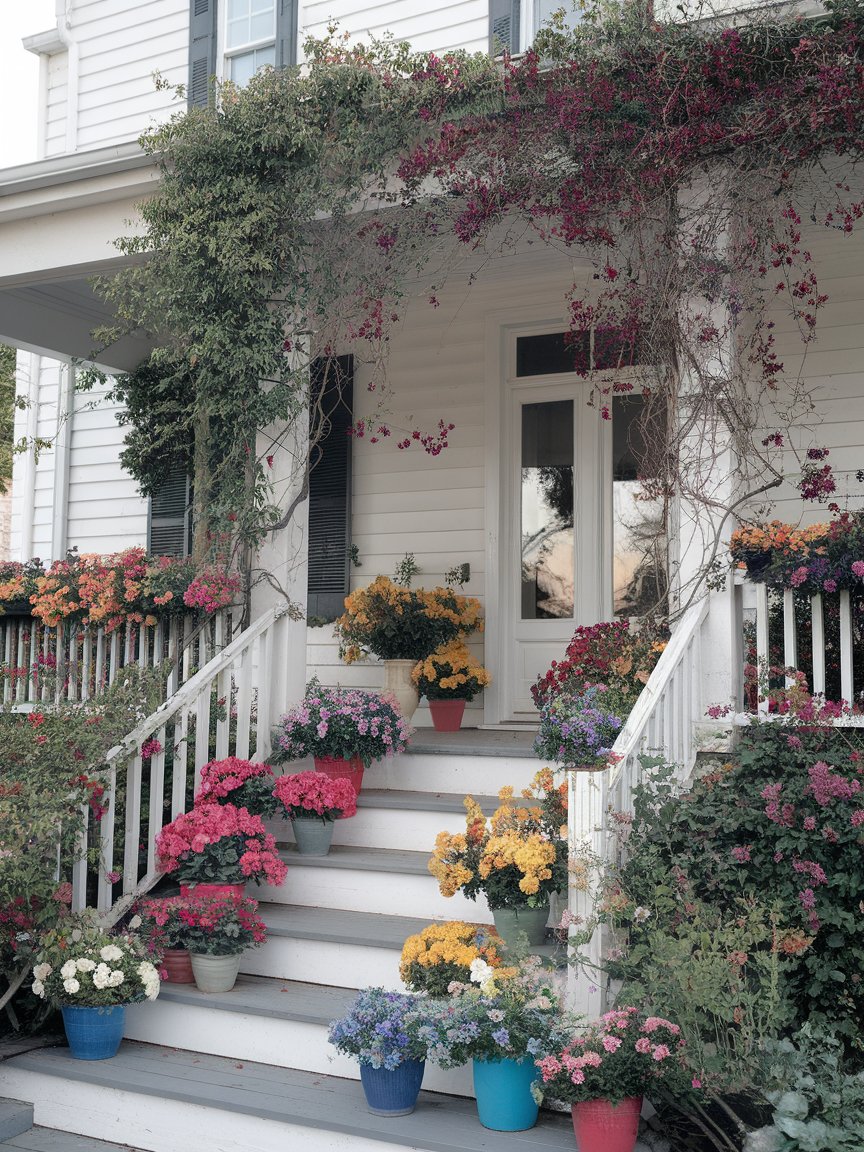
(685, 164)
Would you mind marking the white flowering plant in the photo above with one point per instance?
(80, 963)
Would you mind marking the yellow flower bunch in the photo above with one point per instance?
(517, 856)
(393, 622)
(443, 953)
(450, 673)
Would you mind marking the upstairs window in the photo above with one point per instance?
(250, 38)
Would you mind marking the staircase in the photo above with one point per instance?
(251, 1068)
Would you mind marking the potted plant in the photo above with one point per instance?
(401, 625)
(502, 1020)
(91, 975)
(313, 801)
(605, 1070)
(218, 929)
(165, 933)
(242, 783)
(578, 728)
(383, 1031)
(448, 678)
(517, 858)
(443, 953)
(215, 847)
(343, 729)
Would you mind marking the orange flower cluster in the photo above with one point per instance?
(753, 539)
(450, 673)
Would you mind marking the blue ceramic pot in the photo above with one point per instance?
(94, 1033)
(392, 1091)
(503, 1091)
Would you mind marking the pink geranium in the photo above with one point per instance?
(243, 783)
(309, 794)
(221, 844)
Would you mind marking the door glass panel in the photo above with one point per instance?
(547, 551)
(639, 568)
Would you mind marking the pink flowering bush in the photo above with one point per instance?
(625, 1054)
(212, 589)
(341, 722)
(314, 795)
(221, 925)
(242, 783)
(218, 844)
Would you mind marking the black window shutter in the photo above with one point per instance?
(286, 33)
(332, 383)
(202, 51)
(171, 516)
(504, 22)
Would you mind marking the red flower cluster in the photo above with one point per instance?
(219, 843)
(309, 794)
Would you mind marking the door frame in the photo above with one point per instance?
(592, 514)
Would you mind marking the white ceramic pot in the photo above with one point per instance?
(398, 683)
(215, 973)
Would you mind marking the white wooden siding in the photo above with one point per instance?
(55, 105)
(437, 27)
(121, 44)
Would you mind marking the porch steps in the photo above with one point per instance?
(207, 1102)
(52, 1140)
(16, 1116)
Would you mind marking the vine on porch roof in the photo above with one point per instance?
(687, 162)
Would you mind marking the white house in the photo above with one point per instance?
(489, 359)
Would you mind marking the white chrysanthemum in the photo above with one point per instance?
(135, 922)
(111, 952)
(85, 964)
(481, 971)
(38, 988)
(69, 969)
(72, 986)
(42, 972)
(115, 979)
(100, 976)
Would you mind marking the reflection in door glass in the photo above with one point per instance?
(639, 567)
(548, 577)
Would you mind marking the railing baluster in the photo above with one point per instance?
(6, 626)
(143, 645)
(187, 650)
(178, 770)
(762, 656)
(107, 825)
(86, 662)
(262, 714)
(817, 617)
(20, 682)
(244, 705)
(99, 663)
(790, 635)
(202, 733)
(114, 659)
(174, 656)
(72, 683)
(157, 795)
(79, 865)
(847, 690)
(131, 846)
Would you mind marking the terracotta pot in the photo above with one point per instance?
(337, 768)
(447, 714)
(212, 889)
(398, 683)
(603, 1127)
(177, 965)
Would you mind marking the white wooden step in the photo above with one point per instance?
(461, 762)
(53, 1140)
(377, 880)
(179, 1101)
(281, 1022)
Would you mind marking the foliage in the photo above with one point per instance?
(161, 926)
(578, 728)
(783, 825)
(311, 795)
(243, 783)
(7, 413)
(625, 1054)
(450, 673)
(223, 924)
(381, 1029)
(126, 587)
(443, 953)
(608, 653)
(340, 722)
(218, 843)
(818, 1099)
(819, 558)
(503, 1014)
(394, 622)
(82, 964)
(518, 857)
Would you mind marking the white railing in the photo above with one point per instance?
(663, 723)
(226, 708)
(72, 662)
(773, 616)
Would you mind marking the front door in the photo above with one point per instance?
(554, 561)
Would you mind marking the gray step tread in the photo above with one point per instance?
(425, 801)
(16, 1117)
(53, 1140)
(266, 996)
(369, 929)
(483, 742)
(364, 859)
(440, 1123)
